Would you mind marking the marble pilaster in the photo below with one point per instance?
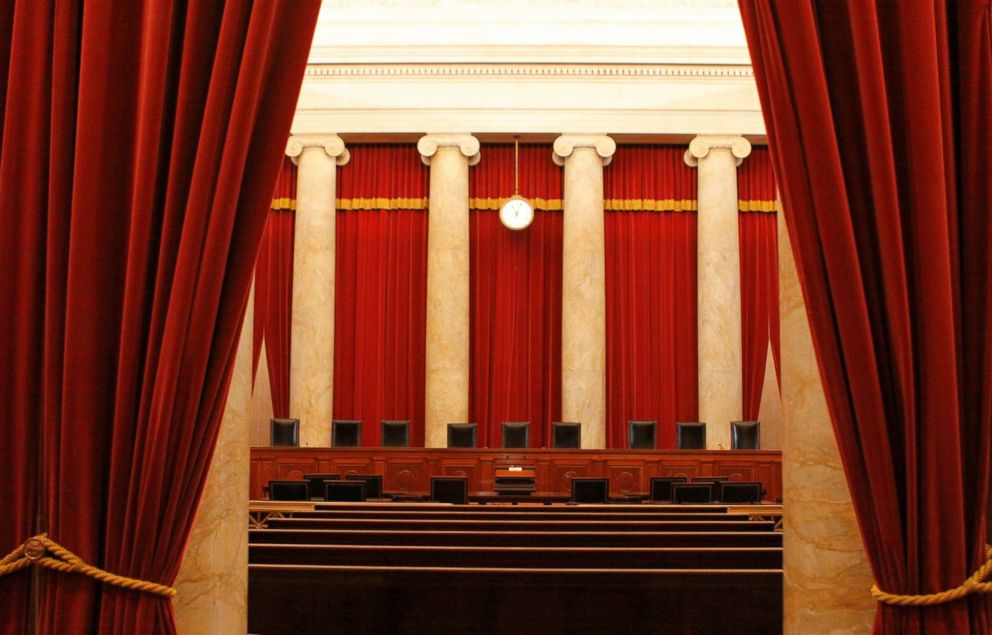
(311, 371)
(212, 584)
(826, 573)
(583, 326)
(721, 398)
(447, 353)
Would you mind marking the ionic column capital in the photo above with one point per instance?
(564, 145)
(700, 147)
(466, 143)
(332, 145)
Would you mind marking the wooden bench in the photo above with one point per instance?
(372, 599)
(521, 514)
(561, 508)
(519, 557)
(518, 538)
(519, 525)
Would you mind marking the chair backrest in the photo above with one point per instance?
(449, 489)
(345, 491)
(461, 435)
(373, 483)
(715, 483)
(516, 434)
(661, 487)
(640, 434)
(690, 435)
(745, 435)
(741, 493)
(317, 483)
(566, 434)
(284, 432)
(590, 490)
(289, 491)
(396, 433)
(346, 433)
(692, 492)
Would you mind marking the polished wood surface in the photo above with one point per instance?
(408, 470)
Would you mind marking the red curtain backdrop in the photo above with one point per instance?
(651, 364)
(274, 289)
(879, 124)
(137, 163)
(380, 305)
(759, 274)
(515, 350)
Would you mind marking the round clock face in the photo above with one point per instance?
(516, 213)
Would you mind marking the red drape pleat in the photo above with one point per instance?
(651, 365)
(515, 350)
(879, 124)
(274, 290)
(137, 162)
(758, 232)
(380, 305)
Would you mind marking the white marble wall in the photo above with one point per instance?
(447, 354)
(212, 584)
(721, 390)
(311, 371)
(583, 324)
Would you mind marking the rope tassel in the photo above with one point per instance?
(975, 584)
(42, 551)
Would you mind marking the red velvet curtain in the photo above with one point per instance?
(515, 354)
(879, 123)
(380, 305)
(758, 230)
(273, 315)
(651, 365)
(137, 162)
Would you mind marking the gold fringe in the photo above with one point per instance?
(546, 204)
(35, 551)
(381, 203)
(649, 205)
(284, 203)
(757, 206)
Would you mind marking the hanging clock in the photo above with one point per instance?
(516, 212)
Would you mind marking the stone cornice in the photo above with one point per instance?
(708, 71)
(567, 143)
(466, 143)
(700, 147)
(332, 145)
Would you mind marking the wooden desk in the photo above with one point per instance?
(409, 469)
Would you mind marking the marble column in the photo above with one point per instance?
(447, 356)
(721, 392)
(583, 298)
(826, 573)
(212, 584)
(311, 369)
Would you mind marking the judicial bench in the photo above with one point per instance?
(408, 470)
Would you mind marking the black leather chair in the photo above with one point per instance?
(692, 493)
(396, 433)
(346, 433)
(715, 483)
(590, 490)
(516, 434)
(344, 491)
(661, 487)
(449, 489)
(745, 435)
(640, 434)
(289, 491)
(690, 435)
(317, 483)
(373, 484)
(566, 434)
(284, 432)
(461, 435)
(741, 493)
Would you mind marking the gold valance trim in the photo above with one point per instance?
(757, 206)
(546, 204)
(649, 205)
(284, 203)
(347, 204)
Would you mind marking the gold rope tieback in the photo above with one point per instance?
(35, 552)
(975, 584)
